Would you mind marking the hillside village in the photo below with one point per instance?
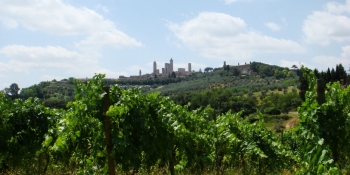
(168, 71)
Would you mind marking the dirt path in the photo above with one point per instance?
(291, 123)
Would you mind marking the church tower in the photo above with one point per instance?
(154, 67)
(171, 66)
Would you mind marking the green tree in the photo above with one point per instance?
(235, 72)
(303, 86)
(208, 69)
(12, 91)
(71, 80)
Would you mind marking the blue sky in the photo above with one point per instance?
(54, 39)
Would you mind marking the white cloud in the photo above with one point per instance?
(58, 18)
(272, 26)
(113, 38)
(54, 17)
(289, 64)
(332, 24)
(337, 8)
(10, 24)
(25, 60)
(103, 8)
(323, 62)
(218, 35)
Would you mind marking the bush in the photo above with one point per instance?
(276, 118)
(272, 111)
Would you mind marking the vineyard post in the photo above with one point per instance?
(216, 146)
(107, 124)
(172, 157)
(321, 98)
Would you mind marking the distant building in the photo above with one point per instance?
(166, 71)
(171, 66)
(167, 68)
(182, 70)
(154, 67)
(244, 69)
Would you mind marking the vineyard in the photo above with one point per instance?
(109, 130)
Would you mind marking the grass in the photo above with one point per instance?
(287, 123)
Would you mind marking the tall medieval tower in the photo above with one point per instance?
(154, 67)
(171, 66)
(189, 67)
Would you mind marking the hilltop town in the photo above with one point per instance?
(168, 71)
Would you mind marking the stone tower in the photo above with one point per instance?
(154, 67)
(140, 73)
(189, 67)
(224, 63)
(167, 67)
(171, 66)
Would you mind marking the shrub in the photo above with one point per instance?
(272, 111)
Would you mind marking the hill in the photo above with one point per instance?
(268, 78)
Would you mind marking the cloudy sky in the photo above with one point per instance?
(54, 39)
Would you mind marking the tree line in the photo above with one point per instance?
(330, 76)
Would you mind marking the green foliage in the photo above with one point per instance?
(330, 76)
(324, 128)
(12, 91)
(150, 131)
(266, 70)
(281, 102)
(272, 111)
(221, 100)
(53, 94)
(23, 127)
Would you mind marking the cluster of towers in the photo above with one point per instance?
(169, 69)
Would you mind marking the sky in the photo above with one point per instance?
(42, 40)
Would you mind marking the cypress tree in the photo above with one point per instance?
(328, 76)
(337, 73)
(317, 74)
(303, 87)
(333, 75)
(342, 73)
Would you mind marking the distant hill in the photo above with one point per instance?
(59, 93)
(229, 77)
